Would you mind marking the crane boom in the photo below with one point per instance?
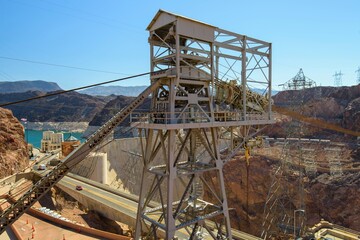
(313, 121)
(41, 187)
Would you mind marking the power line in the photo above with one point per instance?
(60, 65)
(7, 76)
(74, 89)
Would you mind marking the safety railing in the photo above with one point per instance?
(193, 117)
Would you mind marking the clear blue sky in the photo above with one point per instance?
(320, 36)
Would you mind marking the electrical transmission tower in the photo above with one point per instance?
(358, 75)
(300, 81)
(338, 79)
(334, 157)
(284, 211)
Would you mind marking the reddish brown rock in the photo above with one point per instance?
(333, 199)
(246, 199)
(336, 105)
(13, 148)
(352, 115)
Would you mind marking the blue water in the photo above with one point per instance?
(34, 137)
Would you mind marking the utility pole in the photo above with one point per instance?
(358, 75)
(338, 78)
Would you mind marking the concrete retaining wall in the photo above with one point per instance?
(124, 166)
(104, 209)
(16, 177)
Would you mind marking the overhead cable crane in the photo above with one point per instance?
(201, 95)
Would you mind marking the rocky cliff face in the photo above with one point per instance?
(351, 118)
(13, 148)
(247, 190)
(337, 105)
(110, 109)
(335, 199)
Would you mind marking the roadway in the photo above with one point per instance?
(117, 200)
(118, 203)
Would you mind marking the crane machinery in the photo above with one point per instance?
(200, 91)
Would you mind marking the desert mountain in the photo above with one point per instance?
(337, 105)
(68, 107)
(114, 106)
(24, 86)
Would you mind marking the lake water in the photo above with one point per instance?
(34, 137)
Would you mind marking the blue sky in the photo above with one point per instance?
(317, 35)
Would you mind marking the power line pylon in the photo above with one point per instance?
(334, 157)
(182, 137)
(284, 210)
(358, 75)
(338, 79)
(300, 81)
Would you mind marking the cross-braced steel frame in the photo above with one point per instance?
(201, 113)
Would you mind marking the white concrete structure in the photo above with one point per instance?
(94, 167)
(51, 141)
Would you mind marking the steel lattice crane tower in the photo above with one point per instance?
(202, 112)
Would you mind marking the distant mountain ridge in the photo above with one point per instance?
(24, 86)
(130, 91)
(67, 107)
